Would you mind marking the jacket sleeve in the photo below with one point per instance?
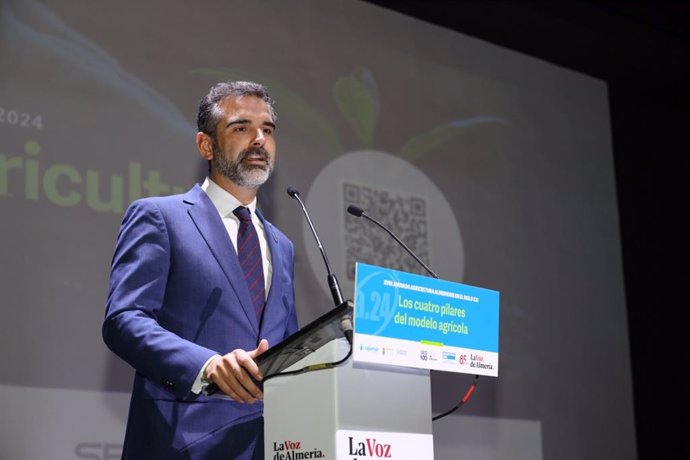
(136, 295)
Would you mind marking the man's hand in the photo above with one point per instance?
(233, 374)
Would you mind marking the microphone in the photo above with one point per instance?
(359, 212)
(346, 323)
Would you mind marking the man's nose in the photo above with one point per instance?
(259, 138)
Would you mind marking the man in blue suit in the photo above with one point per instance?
(179, 309)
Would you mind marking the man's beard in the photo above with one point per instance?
(241, 174)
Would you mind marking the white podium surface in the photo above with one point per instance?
(351, 411)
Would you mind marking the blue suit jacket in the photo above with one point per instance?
(177, 296)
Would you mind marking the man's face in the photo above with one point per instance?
(244, 147)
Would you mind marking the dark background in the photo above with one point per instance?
(642, 51)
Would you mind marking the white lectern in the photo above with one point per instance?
(351, 411)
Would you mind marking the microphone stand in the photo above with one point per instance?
(346, 323)
(359, 212)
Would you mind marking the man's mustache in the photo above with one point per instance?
(259, 152)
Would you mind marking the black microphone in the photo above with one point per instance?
(346, 323)
(359, 212)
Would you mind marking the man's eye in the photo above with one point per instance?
(268, 130)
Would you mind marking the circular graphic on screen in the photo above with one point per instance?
(399, 196)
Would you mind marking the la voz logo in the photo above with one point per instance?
(477, 360)
(370, 447)
(293, 450)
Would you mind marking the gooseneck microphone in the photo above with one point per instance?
(332, 280)
(333, 285)
(359, 212)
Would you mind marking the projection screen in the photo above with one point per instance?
(495, 167)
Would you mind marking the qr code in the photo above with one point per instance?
(403, 214)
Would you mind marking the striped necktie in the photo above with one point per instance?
(249, 253)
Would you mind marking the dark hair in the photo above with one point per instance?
(208, 116)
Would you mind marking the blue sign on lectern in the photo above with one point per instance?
(411, 320)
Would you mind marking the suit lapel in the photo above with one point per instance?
(206, 219)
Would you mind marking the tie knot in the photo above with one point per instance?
(243, 214)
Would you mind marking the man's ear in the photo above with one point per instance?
(204, 144)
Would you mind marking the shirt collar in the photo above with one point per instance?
(223, 200)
